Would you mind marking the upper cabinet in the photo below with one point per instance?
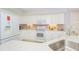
(50, 22)
(57, 18)
(74, 17)
(46, 19)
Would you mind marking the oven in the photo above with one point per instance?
(40, 34)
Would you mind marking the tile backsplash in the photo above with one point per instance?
(53, 27)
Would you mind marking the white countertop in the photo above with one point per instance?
(73, 38)
(16, 45)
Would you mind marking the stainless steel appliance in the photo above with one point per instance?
(41, 32)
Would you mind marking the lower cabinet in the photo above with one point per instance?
(72, 43)
(27, 35)
(72, 46)
(30, 35)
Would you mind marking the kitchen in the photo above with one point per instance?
(39, 29)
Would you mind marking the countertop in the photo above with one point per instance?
(17, 45)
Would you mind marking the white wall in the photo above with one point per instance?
(14, 24)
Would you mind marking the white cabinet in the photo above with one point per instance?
(15, 26)
(27, 35)
(74, 17)
(51, 18)
(57, 19)
(51, 35)
(72, 43)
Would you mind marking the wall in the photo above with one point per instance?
(5, 35)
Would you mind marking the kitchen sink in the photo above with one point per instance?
(58, 46)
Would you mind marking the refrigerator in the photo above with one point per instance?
(9, 28)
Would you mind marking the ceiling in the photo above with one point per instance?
(25, 11)
(43, 10)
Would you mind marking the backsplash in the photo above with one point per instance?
(51, 27)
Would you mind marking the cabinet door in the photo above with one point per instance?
(47, 35)
(32, 34)
(15, 25)
(6, 28)
(27, 35)
(24, 34)
(57, 19)
(74, 17)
